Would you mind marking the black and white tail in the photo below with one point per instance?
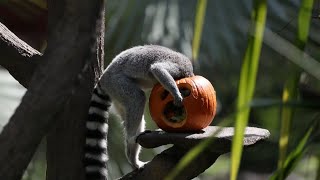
(96, 156)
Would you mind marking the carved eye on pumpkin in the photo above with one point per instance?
(199, 105)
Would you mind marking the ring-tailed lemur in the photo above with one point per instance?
(123, 82)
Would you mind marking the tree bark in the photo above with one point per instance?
(65, 142)
(58, 93)
(18, 57)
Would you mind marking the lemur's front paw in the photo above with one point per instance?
(132, 140)
(178, 101)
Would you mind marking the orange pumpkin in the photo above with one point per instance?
(199, 105)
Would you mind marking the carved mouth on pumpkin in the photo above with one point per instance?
(173, 113)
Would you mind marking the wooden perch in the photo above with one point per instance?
(164, 162)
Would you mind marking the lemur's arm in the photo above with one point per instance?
(165, 78)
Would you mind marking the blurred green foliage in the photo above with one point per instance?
(247, 82)
(198, 27)
(290, 92)
(224, 40)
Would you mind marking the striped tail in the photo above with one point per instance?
(96, 155)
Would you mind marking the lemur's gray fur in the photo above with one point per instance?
(124, 82)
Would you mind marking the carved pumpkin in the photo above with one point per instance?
(199, 105)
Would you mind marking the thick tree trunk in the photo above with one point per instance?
(66, 140)
(59, 88)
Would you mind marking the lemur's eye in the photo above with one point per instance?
(185, 92)
(164, 94)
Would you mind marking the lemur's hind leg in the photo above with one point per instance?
(132, 101)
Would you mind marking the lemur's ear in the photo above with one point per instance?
(199, 105)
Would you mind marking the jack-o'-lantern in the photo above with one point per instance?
(197, 112)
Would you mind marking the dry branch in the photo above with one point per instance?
(18, 57)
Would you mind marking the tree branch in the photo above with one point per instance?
(18, 57)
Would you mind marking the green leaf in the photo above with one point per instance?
(318, 170)
(290, 91)
(304, 18)
(294, 157)
(247, 82)
(198, 26)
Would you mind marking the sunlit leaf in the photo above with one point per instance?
(318, 171)
(290, 91)
(198, 26)
(295, 155)
(247, 83)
